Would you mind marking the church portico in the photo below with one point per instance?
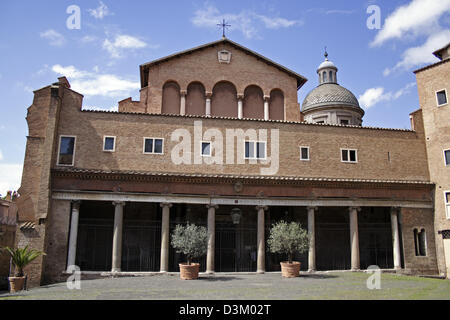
(132, 235)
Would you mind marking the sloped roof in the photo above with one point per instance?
(300, 79)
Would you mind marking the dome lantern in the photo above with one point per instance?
(327, 71)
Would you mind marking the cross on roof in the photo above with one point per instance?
(224, 25)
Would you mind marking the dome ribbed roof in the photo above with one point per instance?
(329, 94)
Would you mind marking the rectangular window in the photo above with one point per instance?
(66, 150)
(206, 149)
(447, 203)
(153, 145)
(349, 155)
(344, 121)
(447, 157)
(255, 150)
(109, 143)
(441, 97)
(304, 153)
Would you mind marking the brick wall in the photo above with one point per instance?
(437, 136)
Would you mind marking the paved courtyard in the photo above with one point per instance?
(338, 285)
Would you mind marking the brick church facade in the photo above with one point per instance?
(217, 139)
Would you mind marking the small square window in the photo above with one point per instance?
(153, 145)
(344, 122)
(349, 155)
(441, 97)
(109, 144)
(206, 149)
(304, 153)
(447, 157)
(66, 151)
(255, 150)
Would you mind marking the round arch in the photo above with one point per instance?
(253, 102)
(224, 100)
(195, 98)
(171, 98)
(276, 105)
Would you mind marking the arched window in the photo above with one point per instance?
(276, 105)
(331, 76)
(324, 76)
(253, 102)
(195, 99)
(171, 98)
(420, 242)
(224, 100)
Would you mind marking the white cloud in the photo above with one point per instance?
(246, 21)
(374, 96)
(422, 54)
(114, 108)
(122, 42)
(88, 39)
(417, 17)
(11, 175)
(100, 12)
(55, 38)
(96, 84)
(1, 155)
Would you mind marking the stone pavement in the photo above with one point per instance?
(335, 285)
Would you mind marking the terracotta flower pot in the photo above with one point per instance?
(189, 272)
(16, 284)
(290, 270)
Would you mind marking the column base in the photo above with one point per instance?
(312, 270)
(116, 270)
(355, 269)
(260, 271)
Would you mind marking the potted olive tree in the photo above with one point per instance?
(20, 257)
(288, 238)
(192, 241)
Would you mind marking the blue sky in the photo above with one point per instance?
(102, 58)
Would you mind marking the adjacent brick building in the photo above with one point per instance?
(217, 139)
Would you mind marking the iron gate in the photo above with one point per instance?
(235, 248)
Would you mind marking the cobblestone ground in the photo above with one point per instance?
(339, 285)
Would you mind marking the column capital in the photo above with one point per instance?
(75, 204)
(313, 208)
(183, 93)
(266, 98)
(240, 96)
(118, 203)
(165, 204)
(208, 94)
(210, 206)
(357, 209)
(265, 208)
(395, 209)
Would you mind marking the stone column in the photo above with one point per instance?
(312, 239)
(261, 248)
(117, 236)
(266, 107)
(165, 236)
(354, 237)
(211, 238)
(183, 94)
(208, 104)
(72, 254)
(395, 238)
(240, 98)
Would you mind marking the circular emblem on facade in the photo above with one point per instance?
(238, 186)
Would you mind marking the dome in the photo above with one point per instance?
(328, 94)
